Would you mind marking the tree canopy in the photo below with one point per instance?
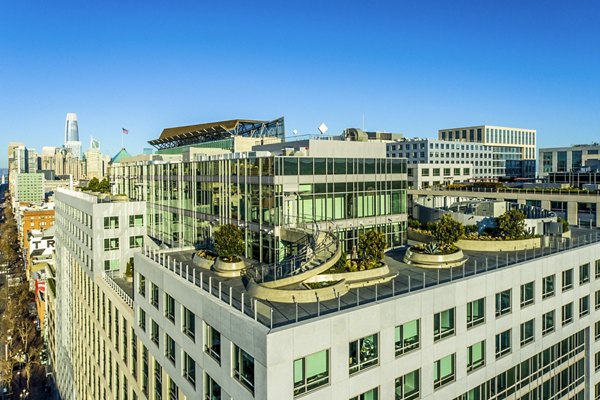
(511, 225)
(447, 230)
(229, 241)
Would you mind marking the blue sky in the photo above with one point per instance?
(408, 66)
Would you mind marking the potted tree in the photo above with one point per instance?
(442, 252)
(229, 244)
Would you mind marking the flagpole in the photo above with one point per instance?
(122, 138)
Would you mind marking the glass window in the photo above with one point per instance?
(154, 333)
(567, 313)
(111, 222)
(597, 299)
(111, 244)
(363, 353)
(142, 319)
(584, 306)
(212, 342)
(189, 369)
(567, 279)
(169, 348)
(154, 295)
(597, 361)
(436, 172)
(169, 308)
(503, 343)
(443, 324)
(503, 302)
(597, 271)
(243, 368)
(408, 386)
(527, 294)
(476, 312)
(136, 221)
(188, 325)
(425, 172)
(212, 389)
(443, 371)
(548, 286)
(136, 242)
(527, 332)
(597, 330)
(548, 322)
(476, 356)
(372, 394)
(407, 337)
(311, 372)
(584, 273)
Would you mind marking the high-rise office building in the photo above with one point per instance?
(72, 135)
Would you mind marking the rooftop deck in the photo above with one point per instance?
(410, 279)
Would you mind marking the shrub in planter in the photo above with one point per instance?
(229, 242)
(447, 230)
(511, 225)
(129, 268)
(371, 246)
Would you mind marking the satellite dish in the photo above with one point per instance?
(295, 131)
(323, 128)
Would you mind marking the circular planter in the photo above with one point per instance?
(423, 260)
(229, 269)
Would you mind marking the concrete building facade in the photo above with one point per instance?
(568, 159)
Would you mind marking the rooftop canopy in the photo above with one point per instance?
(201, 133)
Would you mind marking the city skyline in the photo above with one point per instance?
(411, 69)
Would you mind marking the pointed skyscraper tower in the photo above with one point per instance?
(72, 135)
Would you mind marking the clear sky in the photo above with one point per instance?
(407, 66)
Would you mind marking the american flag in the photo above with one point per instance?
(125, 131)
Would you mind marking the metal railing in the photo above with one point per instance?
(122, 294)
(540, 191)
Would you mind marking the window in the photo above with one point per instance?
(154, 295)
(170, 348)
(567, 313)
(311, 372)
(189, 323)
(503, 303)
(408, 386)
(597, 330)
(443, 324)
(597, 299)
(372, 394)
(212, 390)
(548, 322)
(157, 381)
(597, 272)
(111, 222)
(527, 294)
(584, 306)
(154, 333)
(111, 265)
(142, 319)
(174, 391)
(189, 369)
(548, 286)
(363, 353)
(475, 312)
(142, 285)
(243, 368)
(584, 273)
(503, 343)
(136, 241)
(476, 356)
(407, 337)
(169, 308)
(136, 221)
(212, 342)
(597, 361)
(436, 172)
(425, 172)
(443, 371)
(527, 332)
(111, 244)
(567, 279)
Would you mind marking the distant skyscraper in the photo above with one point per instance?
(72, 135)
(71, 129)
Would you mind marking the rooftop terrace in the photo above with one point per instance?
(410, 278)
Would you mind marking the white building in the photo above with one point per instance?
(421, 176)
(568, 159)
(96, 237)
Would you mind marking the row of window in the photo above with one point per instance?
(135, 221)
(135, 242)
